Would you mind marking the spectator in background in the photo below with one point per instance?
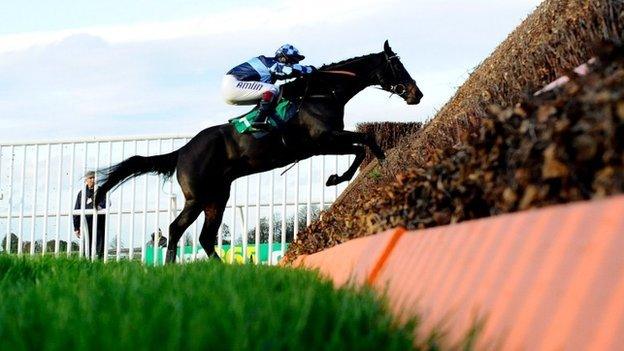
(162, 240)
(101, 219)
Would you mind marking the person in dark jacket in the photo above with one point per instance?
(162, 240)
(101, 219)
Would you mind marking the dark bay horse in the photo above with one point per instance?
(208, 164)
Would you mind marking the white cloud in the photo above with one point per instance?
(260, 18)
(150, 78)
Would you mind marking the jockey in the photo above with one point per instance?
(255, 80)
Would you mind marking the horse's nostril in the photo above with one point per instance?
(416, 98)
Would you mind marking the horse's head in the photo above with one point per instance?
(345, 79)
(393, 77)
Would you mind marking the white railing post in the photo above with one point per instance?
(120, 212)
(84, 227)
(59, 184)
(107, 220)
(143, 232)
(9, 198)
(245, 220)
(172, 217)
(22, 200)
(94, 218)
(157, 220)
(271, 211)
(233, 229)
(44, 241)
(72, 201)
(257, 229)
(34, 203)
(132, 209)
(296, 227)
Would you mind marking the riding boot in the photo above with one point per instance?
(262, 119)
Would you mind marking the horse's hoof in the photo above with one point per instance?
(169, 259)
(333, 179)
(215, 258)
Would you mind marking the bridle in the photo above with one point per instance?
(398, 89)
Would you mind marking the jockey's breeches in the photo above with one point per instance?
(236, 92)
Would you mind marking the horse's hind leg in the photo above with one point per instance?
(213, 208)
(213, 214)
(191, 210)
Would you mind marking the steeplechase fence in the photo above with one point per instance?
(40, 180)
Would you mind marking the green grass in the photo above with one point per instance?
(69, 304)
(375, 174)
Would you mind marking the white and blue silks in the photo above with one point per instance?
(245, 83)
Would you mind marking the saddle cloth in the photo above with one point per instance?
(284, 111)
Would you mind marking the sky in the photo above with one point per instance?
(74, 69)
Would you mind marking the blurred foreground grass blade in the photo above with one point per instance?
(69, 304)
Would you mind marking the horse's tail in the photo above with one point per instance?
(114, 176)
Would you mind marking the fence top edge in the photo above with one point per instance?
(95, 139)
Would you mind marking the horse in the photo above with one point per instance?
(208, 164)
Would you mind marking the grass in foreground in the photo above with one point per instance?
(69, 304)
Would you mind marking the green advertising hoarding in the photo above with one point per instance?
(227, 253)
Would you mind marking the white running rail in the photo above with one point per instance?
(39, 182)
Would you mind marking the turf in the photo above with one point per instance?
(71, 304)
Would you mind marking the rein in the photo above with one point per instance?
(346, 73)
(398, 89)
(289, 167)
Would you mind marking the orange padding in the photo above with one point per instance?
(545, 279)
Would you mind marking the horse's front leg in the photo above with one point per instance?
(360, 154)
(345, 142)
(345, 137)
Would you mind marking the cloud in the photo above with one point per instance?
(286, 15)
(151, 78)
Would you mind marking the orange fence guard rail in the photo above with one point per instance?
(547, 279)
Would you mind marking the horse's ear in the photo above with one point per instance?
(387, 49)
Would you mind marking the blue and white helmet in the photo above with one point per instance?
(290, 52)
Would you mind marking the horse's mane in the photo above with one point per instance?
(299, 83)
(345, 62)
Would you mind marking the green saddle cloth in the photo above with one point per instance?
(284, 111)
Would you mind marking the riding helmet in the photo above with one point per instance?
(289, 52)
